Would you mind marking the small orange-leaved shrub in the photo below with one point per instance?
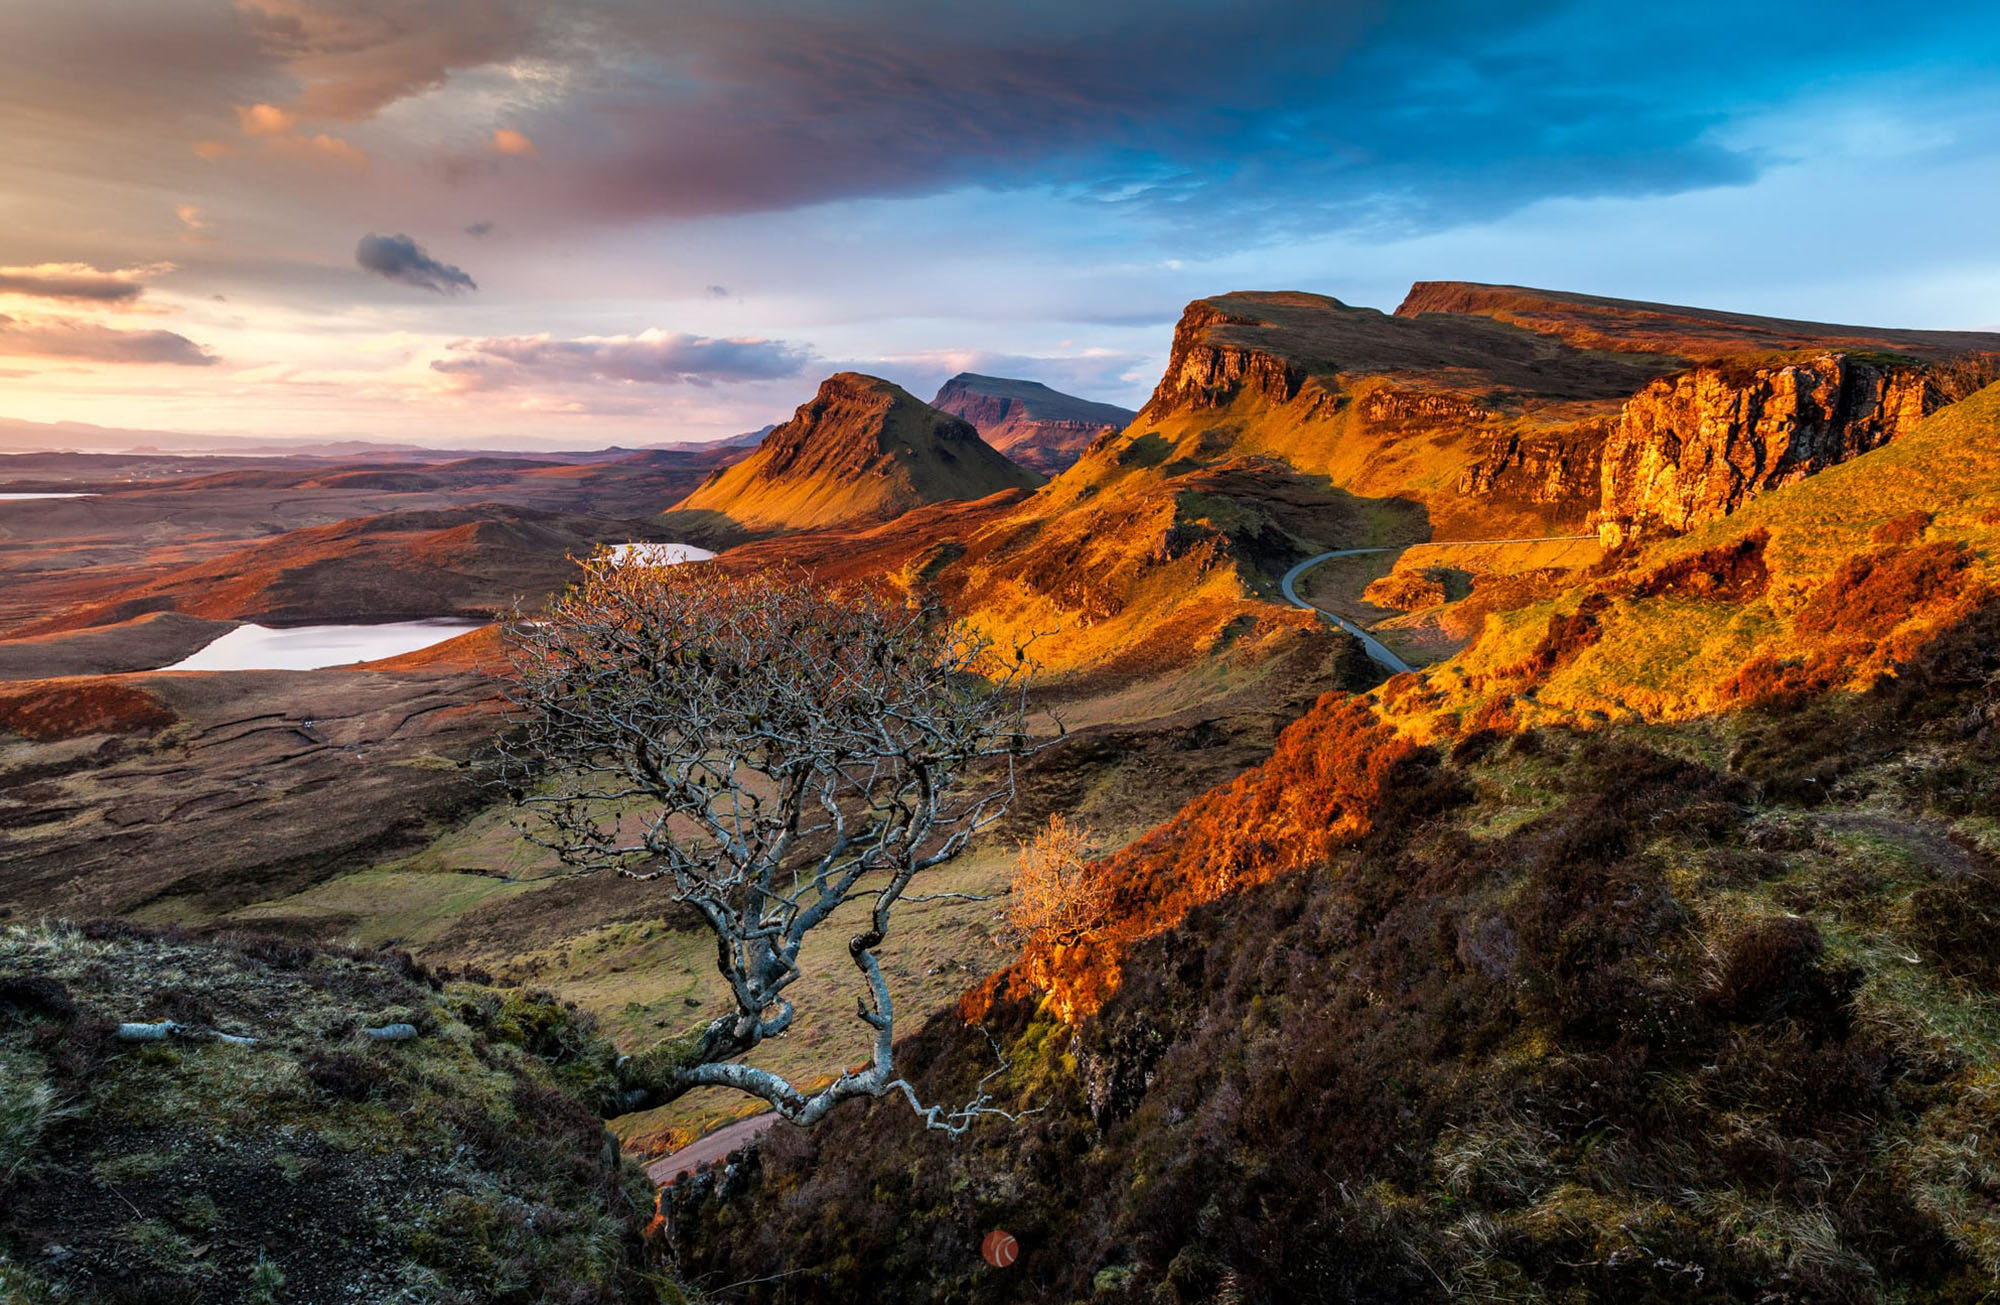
(1057, 892)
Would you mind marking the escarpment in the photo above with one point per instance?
(1207, 370)
(1693, 447)
(1555, 468)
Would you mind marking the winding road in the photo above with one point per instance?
(719, 1145)
(1377, 653)
(1369, 643)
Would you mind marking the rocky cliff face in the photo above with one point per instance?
(1693, 447)
(1207, 372)
(1557, 469)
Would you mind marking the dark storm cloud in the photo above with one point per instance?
(1230, 123)
(400, 258)
(62, 338)
(652, 357)
(1272, 113)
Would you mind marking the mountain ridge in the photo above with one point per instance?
(1037, 426)
(862, 448)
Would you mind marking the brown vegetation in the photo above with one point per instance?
(1905, 529)
(468, 1163)
(1652, 1044)
(1331, 775)
(1568, 634)
(48, 710)
(1732, 573)
(1872, 593)
(1057, 894)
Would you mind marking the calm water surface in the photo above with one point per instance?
(314, 647)
(657, 554)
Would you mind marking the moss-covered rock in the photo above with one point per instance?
(315, 1163)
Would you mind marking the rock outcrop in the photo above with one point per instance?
(1693, 447)
(863, 449)
(1036, 426)
(1207, 369)
(1555, 468)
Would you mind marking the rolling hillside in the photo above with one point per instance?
(471, 561)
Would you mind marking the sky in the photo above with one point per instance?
(517, 223)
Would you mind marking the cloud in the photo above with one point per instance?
(508, 141)
(400, 258)
(356, 57)
(1313, 114)
(196, 225)
(716, 291)
(483, 227)
(68, 338)
(265, 119)
(319, 148)
(78, 281)
(652, 357)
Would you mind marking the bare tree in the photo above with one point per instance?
(772, 749)
(1056, 896)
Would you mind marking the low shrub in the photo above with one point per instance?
(1734, 572)
(1872, 593)
(1567, 635)
(1905, 529)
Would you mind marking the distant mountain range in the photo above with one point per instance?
(1034, 425)
(18, 436)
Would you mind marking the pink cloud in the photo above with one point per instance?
(58, 337)
(508, 141)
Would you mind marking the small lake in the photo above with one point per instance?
(655, 554)
(315, 647)
(9, 498)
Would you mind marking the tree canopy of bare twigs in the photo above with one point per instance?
(1055, 895)
(768, 749)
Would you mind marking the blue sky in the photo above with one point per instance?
(493, 222)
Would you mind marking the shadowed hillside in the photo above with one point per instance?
(1695, 1014)
(1034, 425)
